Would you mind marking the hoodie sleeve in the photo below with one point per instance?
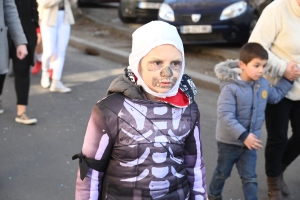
(227, 113)
(194, 165)
(265, 32)
(97, 145)
(277, 92)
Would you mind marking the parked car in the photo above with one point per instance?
(131, 10)
(214, 21)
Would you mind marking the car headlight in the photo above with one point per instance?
(234, 10)
(166, 12)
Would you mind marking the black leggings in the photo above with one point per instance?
(280, 149)
(2, 78)
(22, 78)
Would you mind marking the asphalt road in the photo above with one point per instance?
(36, 160)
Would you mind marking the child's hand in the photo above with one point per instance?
(252, 142)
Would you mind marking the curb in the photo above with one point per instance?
(125, 31)
(204, 81)
(102, 50)
(225, 53)
(200, 80)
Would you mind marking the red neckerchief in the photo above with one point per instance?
(179, 100)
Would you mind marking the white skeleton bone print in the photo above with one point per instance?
(158, 188)
(139, 149)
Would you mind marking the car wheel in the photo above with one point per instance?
(125, 19)
(252, 23)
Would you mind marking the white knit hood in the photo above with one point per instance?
(147, 37)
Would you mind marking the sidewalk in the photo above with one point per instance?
(98, 38)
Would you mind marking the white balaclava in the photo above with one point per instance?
(147, 37)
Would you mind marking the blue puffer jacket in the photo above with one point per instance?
(241, 105)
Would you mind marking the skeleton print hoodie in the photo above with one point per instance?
(135, 148)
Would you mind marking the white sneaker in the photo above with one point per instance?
(45, 82)
(1, 108)
(25, 119)
(58, 86)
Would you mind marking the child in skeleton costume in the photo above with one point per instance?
(143, 139)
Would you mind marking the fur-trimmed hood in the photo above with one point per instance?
(228, 71)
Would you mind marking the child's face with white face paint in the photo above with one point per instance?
(161, 68)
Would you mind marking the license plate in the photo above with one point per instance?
(195, 29)
(149, 5)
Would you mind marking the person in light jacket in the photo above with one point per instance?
(241, 104)
(9, 21)
(56, 18)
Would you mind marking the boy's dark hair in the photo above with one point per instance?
(252, 50)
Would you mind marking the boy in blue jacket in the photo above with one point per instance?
(241, 105)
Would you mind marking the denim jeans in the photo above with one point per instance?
(245, 161)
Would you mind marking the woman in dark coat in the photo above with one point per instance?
(9, 21)
(29, 19)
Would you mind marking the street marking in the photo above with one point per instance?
(71, 80)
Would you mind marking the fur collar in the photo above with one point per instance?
(228, 70)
